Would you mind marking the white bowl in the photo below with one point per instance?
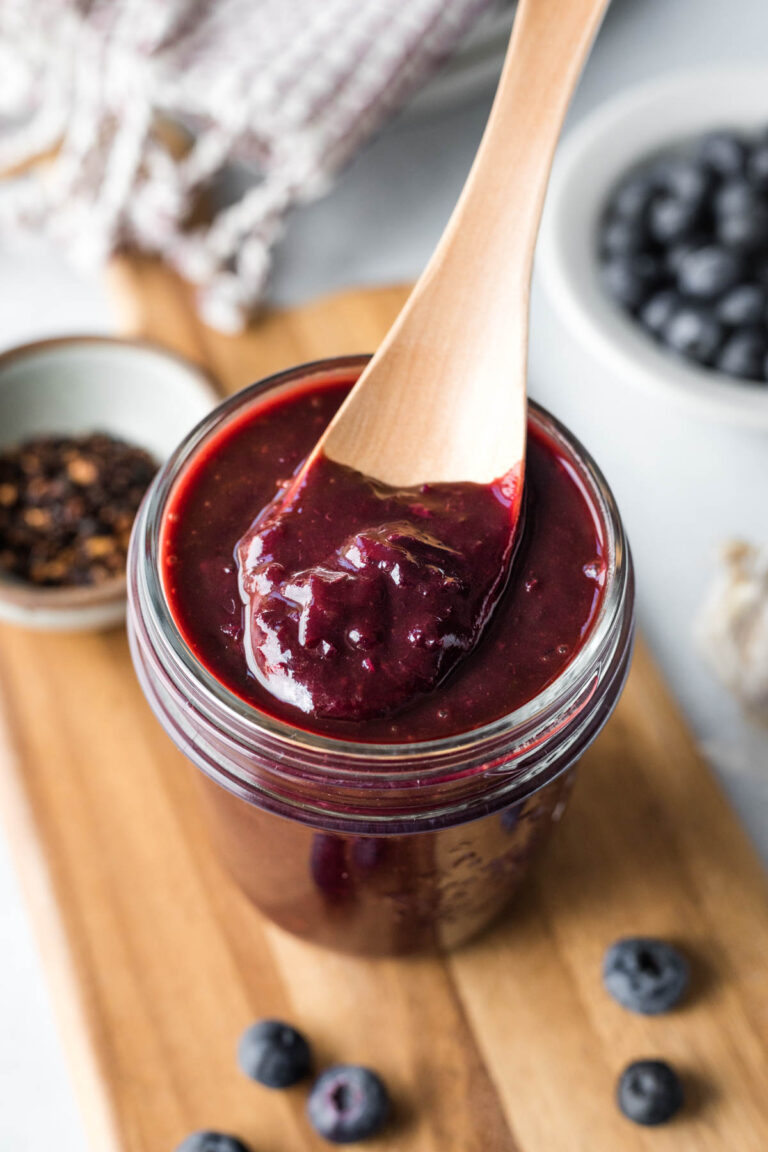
(77, 385)
(616, 137)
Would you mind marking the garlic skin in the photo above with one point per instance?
(732, 629)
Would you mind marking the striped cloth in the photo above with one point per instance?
(290, 87)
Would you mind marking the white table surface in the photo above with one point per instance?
(683, 485)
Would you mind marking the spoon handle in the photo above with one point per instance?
(489, 242)
(445, 395)
(497, 215)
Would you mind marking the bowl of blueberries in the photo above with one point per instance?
(654, 243)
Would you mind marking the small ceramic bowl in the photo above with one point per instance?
(616, 137)
(77, 385)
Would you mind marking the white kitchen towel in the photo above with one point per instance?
(290, 87)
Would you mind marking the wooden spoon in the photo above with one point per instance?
(444, 398)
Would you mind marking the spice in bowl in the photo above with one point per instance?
(67, 506)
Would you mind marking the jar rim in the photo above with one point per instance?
(333, 758)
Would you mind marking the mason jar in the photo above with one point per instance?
(377, 848)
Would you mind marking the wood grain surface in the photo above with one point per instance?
(509, 1045)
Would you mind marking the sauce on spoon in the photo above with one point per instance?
(358, 596)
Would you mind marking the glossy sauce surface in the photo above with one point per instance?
(542, 617)
(359, 597)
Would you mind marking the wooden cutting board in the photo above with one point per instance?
(510, 1044)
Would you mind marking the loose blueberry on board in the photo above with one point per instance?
(649, 1092)
(708, 272)
(645, 975)
(725, 153)
(746, 304)
(693, 332)
(274, 1054)
(743, 355)
(348, 1103)
(212, 1142)
(658, 311)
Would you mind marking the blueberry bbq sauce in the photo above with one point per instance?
(364, 613)
(359, 597)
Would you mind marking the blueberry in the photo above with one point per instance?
(684, 179)
(734, 196)
(693, 332)
(631, 279)
(757, 166)
(725, 153)
(348, 1103)
(656, 312)
(677, 252)
(622, 237)
(746, 230)
(672, 218)
(645, 975)
(274, 1053)
(708, 272)
(212, 1142)
(743, 355)
(631, 199)
(649, 1092)
(744, 304)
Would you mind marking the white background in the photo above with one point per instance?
(683, 485)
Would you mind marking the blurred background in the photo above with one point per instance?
(685, 480)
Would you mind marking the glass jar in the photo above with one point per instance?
(377, 848)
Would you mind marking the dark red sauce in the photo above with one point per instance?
(539, 623)
(360, 596)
